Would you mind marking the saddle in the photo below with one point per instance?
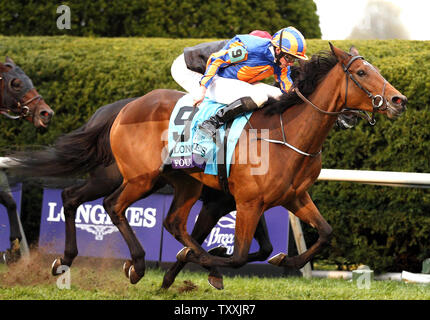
(189, 148)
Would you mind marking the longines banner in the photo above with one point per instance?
(4, 220)
(97, 236)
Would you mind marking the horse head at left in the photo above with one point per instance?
(19, 98)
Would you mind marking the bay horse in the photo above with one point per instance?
(299, 123)
(18, 100)
(74, 154)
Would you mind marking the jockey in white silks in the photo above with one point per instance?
(232, 72)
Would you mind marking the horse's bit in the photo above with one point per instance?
(378, 101)
(8, 100)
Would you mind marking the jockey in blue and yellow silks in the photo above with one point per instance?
(232, 72)
(255, 63)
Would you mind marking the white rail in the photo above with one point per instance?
(384, 178)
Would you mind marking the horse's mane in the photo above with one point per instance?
(306, 77)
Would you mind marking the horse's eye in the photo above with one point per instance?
(361, 73)
(16, 84)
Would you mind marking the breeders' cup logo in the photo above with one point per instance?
(223, 233)
(95, 220)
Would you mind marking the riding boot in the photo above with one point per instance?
(227, 114)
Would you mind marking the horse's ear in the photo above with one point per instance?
(332, 48)
(9, 60)
(339, 54)
(353, 51)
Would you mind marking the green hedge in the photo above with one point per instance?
(158, 18)
(384, 227)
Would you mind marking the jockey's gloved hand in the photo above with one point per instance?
(199, 96)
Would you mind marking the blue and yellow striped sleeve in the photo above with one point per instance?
(284, 79)
(219, 60)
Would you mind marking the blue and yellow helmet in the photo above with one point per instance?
(291, 41)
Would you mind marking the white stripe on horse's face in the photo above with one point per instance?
(372, 67)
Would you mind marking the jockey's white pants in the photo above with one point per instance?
(222, 90)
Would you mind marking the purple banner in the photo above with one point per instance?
(4, 220)
(223, 233)
(96, 235)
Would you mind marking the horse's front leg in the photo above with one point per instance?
(187, 192)
(304, 208)
(262, 237)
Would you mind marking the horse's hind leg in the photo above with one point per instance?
(115, 206)
(103, 181)
(305, 209)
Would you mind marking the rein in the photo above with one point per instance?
(285, 143)
(378, 101)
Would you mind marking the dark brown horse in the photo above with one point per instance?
(18, 100)
(18, 97)
(299, 123)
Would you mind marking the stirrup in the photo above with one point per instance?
(208, 129)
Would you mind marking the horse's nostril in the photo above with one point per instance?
(400, 101)
(46, 114)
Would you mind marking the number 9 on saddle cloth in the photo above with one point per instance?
(189, 148)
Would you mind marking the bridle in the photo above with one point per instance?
(378, 103)
(22, 109)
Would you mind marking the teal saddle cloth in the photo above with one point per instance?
(188, 147)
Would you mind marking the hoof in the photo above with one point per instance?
(55, 267)
(10, 256)
(216, 282)
(133, 276)
(294, 262)
(3, 257)
(182, 254)
(126, 267)
(219, 251)
(277, 260)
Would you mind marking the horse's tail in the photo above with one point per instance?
(75, 153)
